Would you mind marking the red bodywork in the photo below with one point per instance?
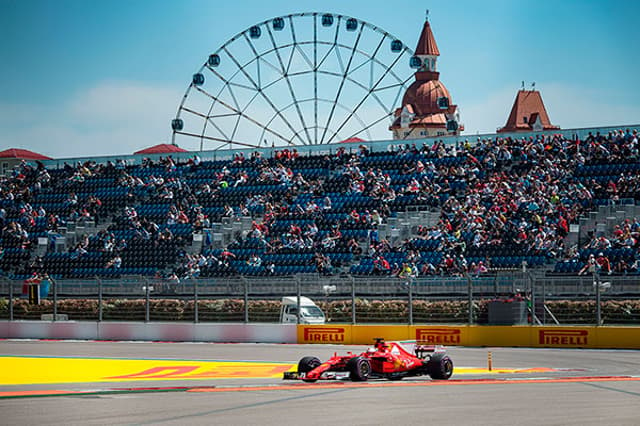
(388, 360)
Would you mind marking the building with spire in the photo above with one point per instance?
(427, 108)
(528, 114)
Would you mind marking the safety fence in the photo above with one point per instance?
(506, 298)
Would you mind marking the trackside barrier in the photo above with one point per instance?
(174, 332)
(341, 334)
(472, 335)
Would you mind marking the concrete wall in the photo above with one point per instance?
(177, 332)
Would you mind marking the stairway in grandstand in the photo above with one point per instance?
(600, 222)
(603, 220)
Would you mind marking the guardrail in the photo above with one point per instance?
(521, 297)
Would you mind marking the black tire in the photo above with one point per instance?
(307, 364)
(359, 369)
(440, 366)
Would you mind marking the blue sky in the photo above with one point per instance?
(82, 78)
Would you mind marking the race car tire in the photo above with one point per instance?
(359, 369)
(307, 364)
(440, 366)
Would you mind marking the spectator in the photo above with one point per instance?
(590, 266)
(603, 264)
(115, 262)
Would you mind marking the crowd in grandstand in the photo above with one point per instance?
(499, 199)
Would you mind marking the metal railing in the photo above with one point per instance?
(343, 298)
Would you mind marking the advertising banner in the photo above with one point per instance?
(339, 334)
(476, 335)
(436, 335)
(564, 337)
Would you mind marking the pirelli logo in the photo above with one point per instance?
(324, 334)
(563, 337)
(438, 336)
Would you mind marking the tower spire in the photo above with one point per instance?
(427, 42)
(427, 108)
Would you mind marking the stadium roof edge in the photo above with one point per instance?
(330, 148)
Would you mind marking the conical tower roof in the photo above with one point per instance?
(427, 42)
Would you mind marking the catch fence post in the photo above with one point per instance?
(298, 299)
(544, 301)
(55, 298)
(530, 298)
(246, 300)
(353, 300)
(10, 300)
(469, 299)
(196, 319)
(596, 281)
(99, 299)
(146, 304)
(410, 291)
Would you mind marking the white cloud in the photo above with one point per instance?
(485, 116)
(112, 118)
(571, 106)
(120, 117)
(114, 103)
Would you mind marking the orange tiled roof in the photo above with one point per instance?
(528, 105)
(352, 140)
(163, 148)
(423, 96)
(23, 154)
(427, 42)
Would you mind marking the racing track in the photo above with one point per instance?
(534, 386)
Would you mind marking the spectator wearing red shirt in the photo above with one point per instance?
(603, 263)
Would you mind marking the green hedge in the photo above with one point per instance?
(367, 311)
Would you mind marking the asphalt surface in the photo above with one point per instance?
(587, 387)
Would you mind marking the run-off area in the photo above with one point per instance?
(243, 386)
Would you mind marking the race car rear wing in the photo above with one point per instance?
(422, 350)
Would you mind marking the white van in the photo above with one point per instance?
(310, 313)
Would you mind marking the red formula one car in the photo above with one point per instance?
(392, 361)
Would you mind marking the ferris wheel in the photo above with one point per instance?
(301, 79)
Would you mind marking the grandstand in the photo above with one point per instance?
(431, 202)
(443, 207)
